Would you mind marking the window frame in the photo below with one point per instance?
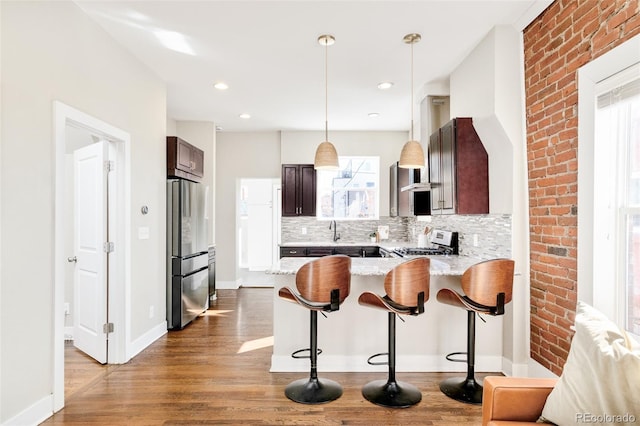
(590, 285)
(320, 188)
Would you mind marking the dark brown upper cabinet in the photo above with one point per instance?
(184, 160)
(298, 190)
(458, 170)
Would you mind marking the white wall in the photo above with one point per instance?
(489, 87)
(53, 51)
(202, 134)
(240, 155)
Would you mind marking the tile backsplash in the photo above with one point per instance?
(492, 232)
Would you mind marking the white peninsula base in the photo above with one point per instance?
(351, 335)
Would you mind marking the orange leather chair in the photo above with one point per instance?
(510, 401)
(322, 284)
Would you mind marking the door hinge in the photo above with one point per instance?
(107, 328)
(109, 165)
(108, 247)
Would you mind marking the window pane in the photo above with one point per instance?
(632, 292)
(351, 192)
(633, 195)
(628, 123)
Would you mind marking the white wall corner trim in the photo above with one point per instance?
(146, 339)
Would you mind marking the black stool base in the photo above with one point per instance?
(391, 394)
(462, 390)
(313, 391)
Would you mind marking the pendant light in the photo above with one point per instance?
(412, 155)
(326, 155)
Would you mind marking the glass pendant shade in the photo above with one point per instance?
(411, 156)
(326, 157)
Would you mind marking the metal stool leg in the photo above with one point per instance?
(391, 393)
(313, 390)
(466, 389)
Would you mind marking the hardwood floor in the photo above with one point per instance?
(216, 371)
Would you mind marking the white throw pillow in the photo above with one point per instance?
(600, 382)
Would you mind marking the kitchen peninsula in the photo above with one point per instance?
(349, 336)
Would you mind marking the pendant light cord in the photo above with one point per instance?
(412, 91)
(326, 90)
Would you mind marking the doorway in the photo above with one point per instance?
(258, 233)
(72, 129)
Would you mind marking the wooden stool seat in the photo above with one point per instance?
(487, 287)
(407, 289)
(322, 285)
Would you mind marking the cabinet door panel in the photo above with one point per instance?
(434, 170)
(307, 190)
(447, 167)
(289, 190)
(197, 162)
(184, 156)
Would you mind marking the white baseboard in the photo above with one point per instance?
(413, 363)
(518, 370)
(33, 415)
(227, 285)
(147, 339)
(538, 370)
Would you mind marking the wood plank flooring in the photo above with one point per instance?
(216, 371)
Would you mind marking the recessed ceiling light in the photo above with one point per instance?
(385, 85)
(245, 116)
(221, 86)
(374, 114)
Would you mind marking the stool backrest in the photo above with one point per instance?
(483, 281)
(316, 279)
(404, 282)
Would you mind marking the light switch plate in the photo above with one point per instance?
(143, 233)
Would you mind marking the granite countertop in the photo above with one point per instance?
(388, 244)
(372, 266)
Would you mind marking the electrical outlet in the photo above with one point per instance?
(303, 231)
(475, 240)
(66, 309)
(151, 311)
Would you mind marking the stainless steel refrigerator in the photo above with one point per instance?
(187, 253)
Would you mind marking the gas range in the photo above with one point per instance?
(443, 243)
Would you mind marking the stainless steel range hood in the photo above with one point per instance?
(417, 187)
(405, 203)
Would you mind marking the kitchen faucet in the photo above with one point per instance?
(334, 226)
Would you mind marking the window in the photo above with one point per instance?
(351, 193)
(617, 137)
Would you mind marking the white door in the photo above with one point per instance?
(260, 213)
(90, 278)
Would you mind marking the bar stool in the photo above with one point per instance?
(322, 284)
(487, 287)
(407, 289)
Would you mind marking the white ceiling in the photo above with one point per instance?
(268, 54)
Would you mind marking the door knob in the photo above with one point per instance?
(72, 259)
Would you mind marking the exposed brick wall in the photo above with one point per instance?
(563, 38)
